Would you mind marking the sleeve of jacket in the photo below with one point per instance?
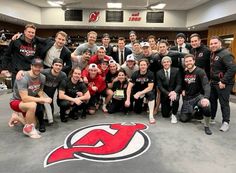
(67, 60)
(228, 61)
(205, 84)
(159, 83)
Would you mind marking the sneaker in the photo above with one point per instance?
(212, 121)
(152, 121)
(208, 131)
(173, 119)
(104, 109)
(224, 127)
(29, 130)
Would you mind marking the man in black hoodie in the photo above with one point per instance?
(21, 52)
(201, 53)
(222, 73)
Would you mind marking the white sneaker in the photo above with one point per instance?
(173, 119)
(224, 127)
(212, 121)
(152, 121)
(29, 130)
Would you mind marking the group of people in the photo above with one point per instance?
(138, 76)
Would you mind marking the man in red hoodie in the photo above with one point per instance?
(96, 85)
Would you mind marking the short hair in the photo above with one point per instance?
(165, 42)
(122, 70)
(143, 59)
(57, 60)
(30, 26)
(92, 32)
(152, 36)
(189, 55)
(216, 37)
(62, 33)
(121, 38)
(195, 35)
(166, 58)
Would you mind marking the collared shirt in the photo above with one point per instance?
(167, 72)
(121, 52)
(52, 53)
(184, 49)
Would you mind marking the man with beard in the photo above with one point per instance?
(196, 92)
(73, 96)
(140, 86)
(223, 71)
(28, 97)
(201, 53)
(132, 38)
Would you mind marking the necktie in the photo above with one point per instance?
(180, 49)
(167, 76)
(121, 57)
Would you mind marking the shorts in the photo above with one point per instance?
(15, 105)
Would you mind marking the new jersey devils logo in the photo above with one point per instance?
(94, 16)
(102, 143)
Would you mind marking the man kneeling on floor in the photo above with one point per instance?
(196, 92)
(73, 96)
(28, 98)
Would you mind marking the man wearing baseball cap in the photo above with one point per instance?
(181, 45)
(28, 97)
(130, 65)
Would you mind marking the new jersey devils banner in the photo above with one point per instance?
(102, 143)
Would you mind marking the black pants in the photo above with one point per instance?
(167, 108)
(189, 106)
(65, 105)
(223, 96)
(117, 105)
(39, 113)
(150, 96)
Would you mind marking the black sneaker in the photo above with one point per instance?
(42, 128)
(208, 131)
(74, 115)
(83, 115)
(63, 118)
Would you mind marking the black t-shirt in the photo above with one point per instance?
(141, 81)
(155, 62)
(110, 77)
(120, 86)
(196, 83)
(71, 89)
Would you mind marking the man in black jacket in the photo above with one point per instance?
(169, 83)
(181, 46)
(21, 52)
(196, 93)
(223, 71)
(201, 53)
(52, 49)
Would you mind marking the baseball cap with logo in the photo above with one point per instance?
(144, 44)
(93, 66)
(37, 61)
(130, 58)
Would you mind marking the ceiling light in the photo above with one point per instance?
(158, 6)
(55, 3)
(114, 5)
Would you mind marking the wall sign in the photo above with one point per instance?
(135, 17)
(94, 16)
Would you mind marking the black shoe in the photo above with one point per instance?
(83, 115)
(74, 115)
(42, 128)
(64, 119)
(208, 131)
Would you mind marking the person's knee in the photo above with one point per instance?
(184, 118)
(32, 105)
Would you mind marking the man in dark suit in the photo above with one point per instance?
(122, 52)
(169, 83)
(52, 49)
(181, 45)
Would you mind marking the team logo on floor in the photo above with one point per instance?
(102, 143)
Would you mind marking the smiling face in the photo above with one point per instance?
(60, 40)
(215, 44)
(163, 48)
(76, 75)
(143, 66)
(166, 64)
(57, 67)
(29, 33)
(189, 62)
(121, 76)
(195, 42)
(180, 41)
